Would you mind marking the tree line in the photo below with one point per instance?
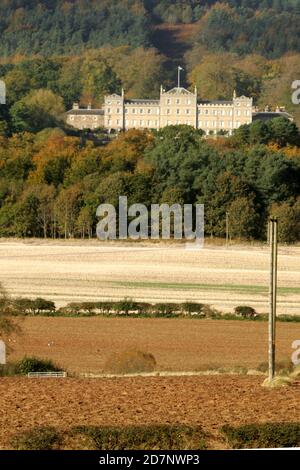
(51, 27)
(51, 184)
(40, 90)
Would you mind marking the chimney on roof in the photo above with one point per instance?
(75, 106)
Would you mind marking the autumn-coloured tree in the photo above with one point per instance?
(243, 218)
(288, 214)
(52, 159)
(67, 207)
(84, 222)
(98, 79)
(124, 153)
(38, 110)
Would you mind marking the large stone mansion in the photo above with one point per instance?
(176, 106)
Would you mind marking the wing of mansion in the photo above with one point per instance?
(176, 106)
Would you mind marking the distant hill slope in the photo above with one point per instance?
(84, 49)
(51, 27)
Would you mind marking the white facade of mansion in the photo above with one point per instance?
(176, 106)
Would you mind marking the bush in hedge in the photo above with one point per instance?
(245, 311)
(34, 364)
(127, 307)
(166, 309)
(37, 306)
(263, 435)
(289, 318)
(192, 308)
(154, 437)
(42, 305)
(210, 312)
(130, 362)
(43, 438)
(281, 367)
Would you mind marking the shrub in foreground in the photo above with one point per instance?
(129, 362)
(245, 311)
(283, 367)
(154, 437)
(43, 438)
(263, 435)
(34, 364)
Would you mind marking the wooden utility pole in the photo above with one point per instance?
(272, 294)
(227, 229)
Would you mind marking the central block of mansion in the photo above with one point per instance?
(176, 106)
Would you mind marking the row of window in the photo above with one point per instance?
(179, 101)
(135, 111)
(151, 124)
(84, 118)
(178, 111)
(141, 123)
(207, 112)
(116, 102)
(219, 124)
(223, 112)
(215, 112)
(188, 123)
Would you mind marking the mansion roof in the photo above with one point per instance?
(267, 115)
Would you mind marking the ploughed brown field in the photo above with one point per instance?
(210, 401)
(66, 272)
(83, 345)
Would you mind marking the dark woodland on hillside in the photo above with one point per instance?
(53, 53)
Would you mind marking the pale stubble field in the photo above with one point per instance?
(66, 271)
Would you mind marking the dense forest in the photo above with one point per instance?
(51, 184)
(53, 53)
(82, 49)
(51, 27)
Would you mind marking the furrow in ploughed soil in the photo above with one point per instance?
(207, 401)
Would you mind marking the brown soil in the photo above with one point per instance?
(84, 344)
(207, 401)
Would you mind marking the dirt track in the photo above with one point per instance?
(82, 271)
(208, 401)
